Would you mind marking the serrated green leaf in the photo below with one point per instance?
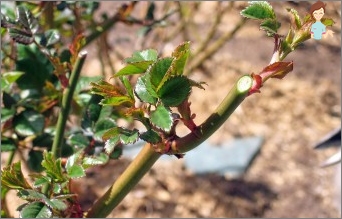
(50, 37)
(21, 36)
(161, 118)
(112, 132)
(100, 159)
(129, 136)
(78, 140)
(7, 144)
(103, 126)
(53, 167)
(158, 70)
(270, 26)
(258, 10)
(41, 180)
(29, 123)
(30, 195)
(57, 204)
(144, 91)
(116, 101)
(145, 55)
(180, 54)
(35, 210)
(128, 87)
(57, 188)
(26, 19)
(150, 136)
(295, 19)
(111, 143)
(129, 70)
(13, 178)
(76, 171)
(175, 91)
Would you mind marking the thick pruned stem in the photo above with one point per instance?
(147, 156)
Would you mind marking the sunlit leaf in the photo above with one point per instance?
(111, 143)
(128, 87)
(35, 210)
(258, 10)
(144, 91)
(271, 26)
(145, 55)
(26, 18)
(13, 178)
(105, 89)
(158, 70)
(100, 159)
(175, 91)
(103, 126)
(116, 101)
(53, 167)
(161, 118)
(50, 37)
(295, 19)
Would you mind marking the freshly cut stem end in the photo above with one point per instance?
(233, 99)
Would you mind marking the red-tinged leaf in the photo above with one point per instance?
(64, 81)
(113, 132)
(77, 44)
(13, 178)
(295, 19)
(257, 84)
(116, 101)
(276, 70)
(105, 89)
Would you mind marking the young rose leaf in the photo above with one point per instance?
(131, 69)
(150, 136)
(174, 91)
(57, 204)
(276, 70)
(145, 55)
(105, 89)
(13, 178)
(161, 118)
(50, 37)
(30, 195)
(29, 123)
(102, 127)
(116, 101)
(128, 87)
(180, 54)
(100, 159)
(26, 19)
(111, 143)
(129, 136)
(41, 180)
(76, 171)
(78, 140)
(271, 26)
(258, 10)
(73, 165)
(35, 210)
(144, 91)
(158, 70)
(296, 23)
(53, 167)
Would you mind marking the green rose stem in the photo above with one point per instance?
(66, 103)
(147, 156)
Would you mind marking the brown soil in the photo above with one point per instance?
(292, 114)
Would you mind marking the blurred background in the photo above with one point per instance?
(291, 115)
